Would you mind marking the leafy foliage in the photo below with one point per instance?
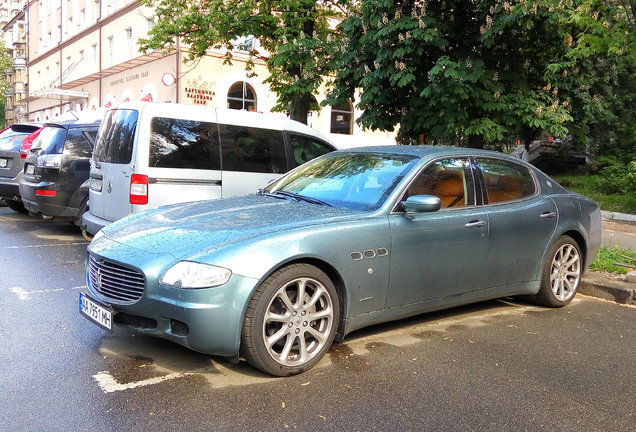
(471, 72)
(297, 37)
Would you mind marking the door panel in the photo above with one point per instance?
(438, 254)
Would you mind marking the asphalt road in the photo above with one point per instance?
(499, 365)
(619, 234)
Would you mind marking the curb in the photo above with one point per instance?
(598, 285)
(620, 217)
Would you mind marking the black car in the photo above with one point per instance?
(15, 142)
(55, 182)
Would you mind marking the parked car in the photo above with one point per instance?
(15, 142)
(350, 239)
(155, 154)
(55, 183)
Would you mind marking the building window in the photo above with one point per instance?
(150, 23)
(241, 96)
(109, 52)
(342, 119)
(129, 44)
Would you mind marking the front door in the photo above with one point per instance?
(439, 254)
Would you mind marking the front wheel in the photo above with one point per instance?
(290, 321)
(561, 274)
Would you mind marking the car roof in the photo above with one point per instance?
(426, 151)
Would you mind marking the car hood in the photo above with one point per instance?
(185, 230)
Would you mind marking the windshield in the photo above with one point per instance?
(359, 181)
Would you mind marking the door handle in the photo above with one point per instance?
(547, 215)
(474, 224)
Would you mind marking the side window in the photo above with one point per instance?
(252, 149)
(305, 148)
(506, 181)
(77, 144)
(449, 179)
(178, 143)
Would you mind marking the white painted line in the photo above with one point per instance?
(109, 384)
(44, 245)
(26, 295)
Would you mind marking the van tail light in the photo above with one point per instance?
(28, 142)
(139, 189)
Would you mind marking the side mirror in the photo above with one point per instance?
(422, 204)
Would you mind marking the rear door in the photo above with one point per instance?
(182, 158)
(113, 165)
(521, 220)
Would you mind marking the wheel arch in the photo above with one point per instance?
(332, 274)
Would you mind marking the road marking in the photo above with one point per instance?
(43, 245)
(26, 295)
(109, 384)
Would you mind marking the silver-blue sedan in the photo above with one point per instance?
(350, 239)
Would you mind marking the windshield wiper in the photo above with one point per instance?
(294, 196)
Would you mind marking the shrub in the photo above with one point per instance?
(617, 178)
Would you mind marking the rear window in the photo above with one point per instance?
(116, 137)
(50, 140)
(250, 149)
(179, 143)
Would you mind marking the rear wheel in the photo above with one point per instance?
(561, 274)
(290, 321)
(17, 206)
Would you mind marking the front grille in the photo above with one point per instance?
(114, 281)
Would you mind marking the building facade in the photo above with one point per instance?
(83, 54)
(14, 36)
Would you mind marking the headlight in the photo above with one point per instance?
(189, 275)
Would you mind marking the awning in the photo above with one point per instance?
(56, 94)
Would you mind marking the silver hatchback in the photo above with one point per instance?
(15, 142)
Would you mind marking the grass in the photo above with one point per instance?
(585, 185)
(608, 256)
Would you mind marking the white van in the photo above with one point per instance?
(153, 154)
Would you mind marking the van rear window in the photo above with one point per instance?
(116, 137)
(179, 143)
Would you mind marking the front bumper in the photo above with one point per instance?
(205, 320)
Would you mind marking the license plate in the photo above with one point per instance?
(4, 163)
(30, 169)
(96, 312)
(96, 184)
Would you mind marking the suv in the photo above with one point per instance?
(55, 183)
(154, 154)
(15, 142)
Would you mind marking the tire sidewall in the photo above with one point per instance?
(260, 302)
(546, 295)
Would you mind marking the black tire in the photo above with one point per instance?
(17, 206)
(297, 342)
(562, 273)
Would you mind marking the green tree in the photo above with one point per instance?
(473, 72)
(5, 64)
(298, 38)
